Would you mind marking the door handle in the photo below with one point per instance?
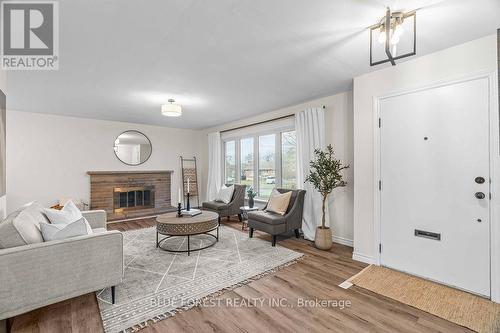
(480, 195)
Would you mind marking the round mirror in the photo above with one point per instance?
(132, 147)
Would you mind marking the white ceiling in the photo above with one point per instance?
(221, 59)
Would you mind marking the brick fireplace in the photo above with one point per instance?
(129, 194)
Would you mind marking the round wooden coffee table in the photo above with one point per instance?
(170, 225)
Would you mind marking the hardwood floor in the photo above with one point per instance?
(316, 277)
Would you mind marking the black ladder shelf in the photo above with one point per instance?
(190, 171)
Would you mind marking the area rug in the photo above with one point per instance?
(157, 283)
(462, 308)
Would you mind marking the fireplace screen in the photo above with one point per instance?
(134, 198)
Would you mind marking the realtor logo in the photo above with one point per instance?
(29, 35)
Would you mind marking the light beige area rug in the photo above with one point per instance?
(462, 308)
(158, 283)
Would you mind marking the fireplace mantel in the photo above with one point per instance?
(128, 172)
(105, 187)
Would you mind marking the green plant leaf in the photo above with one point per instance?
(325, 173)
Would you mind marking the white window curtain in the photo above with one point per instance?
(214, 165)
(310, 131)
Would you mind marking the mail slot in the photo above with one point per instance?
(427, 234)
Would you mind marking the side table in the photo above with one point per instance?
(244, 214)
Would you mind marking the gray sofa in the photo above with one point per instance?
(34, 273)
(232, 208)
(276, 224)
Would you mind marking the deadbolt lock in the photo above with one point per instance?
(479, 180)
(480, 195)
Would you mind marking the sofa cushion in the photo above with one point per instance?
(99, 230)
(214, 205)
(22, 227)
(225, 194)
(58, 231)
(69, 214)
(266, 217)
(278, 202)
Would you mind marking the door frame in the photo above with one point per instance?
(494, 137)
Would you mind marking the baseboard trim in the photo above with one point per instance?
(363, 258)
(343, 241)
(132, 219)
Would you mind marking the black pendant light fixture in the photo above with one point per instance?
(389, 34)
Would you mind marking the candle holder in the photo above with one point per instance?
(179, 209)
(188, 205)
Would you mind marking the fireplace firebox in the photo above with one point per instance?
(133, 198)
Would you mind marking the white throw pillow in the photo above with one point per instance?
(22, 227)
(70, 213)
(52, 232)
(225, 194)
(278, 203)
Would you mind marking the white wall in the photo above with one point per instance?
(48, 156)
(339, 133)
(459, 61)
(3, 87)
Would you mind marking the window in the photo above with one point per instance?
(288, 160)
(230, 162)
(267, 164)
(246, 162)
(262, 160)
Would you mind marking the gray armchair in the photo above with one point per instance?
(232, 208)
(276, 224)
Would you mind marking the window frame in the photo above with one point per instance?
(236, 151)
(255, 162)
(281, 157)
(256, 156)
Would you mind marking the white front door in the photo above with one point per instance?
(434, 163)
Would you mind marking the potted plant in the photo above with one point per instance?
(251, 195)
(325, 175)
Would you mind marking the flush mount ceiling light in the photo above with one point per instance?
(391, 34)
(171, 109)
